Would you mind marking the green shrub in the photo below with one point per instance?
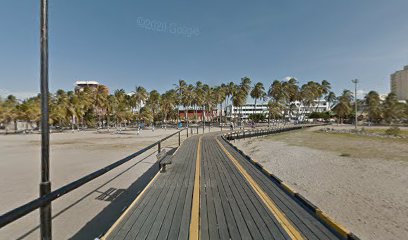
(393, 131)
(257, 117)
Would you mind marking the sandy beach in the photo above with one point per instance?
(73, 155)
(368, 195)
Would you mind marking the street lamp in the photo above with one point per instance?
(45, 185)
(355, 81)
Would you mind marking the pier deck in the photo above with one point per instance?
(211, 191)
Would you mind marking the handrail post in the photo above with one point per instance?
(159, 146)
(45, 185)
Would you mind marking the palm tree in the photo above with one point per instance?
(59, 108)
(198, 96)
(343, 108)
(187, 100)
(291, 94)
(245, 88)
(325, 88)
(219, 96)
(121, 108)
(258, 92)
(238, 100)
(373, 103)
(274, 110)
(180, 87)
(309, 94)
(393, 110)
(330, 98)
(207, 101)
(229, 92)
(139, 96)
(153, 102)
(10, 112)
(101, 102)
(168, 103)
(30, 111)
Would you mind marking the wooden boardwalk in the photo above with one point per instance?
(230, 198)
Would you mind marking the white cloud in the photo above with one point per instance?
(361, 93)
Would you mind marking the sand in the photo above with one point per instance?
(369, 196)
(73, 155)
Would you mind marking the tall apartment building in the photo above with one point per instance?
(399, 83)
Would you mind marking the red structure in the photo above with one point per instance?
(199, 113)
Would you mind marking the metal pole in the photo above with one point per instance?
(180, 137)
(45, 185)
(159, 147)
(355, 81)
(187, 132)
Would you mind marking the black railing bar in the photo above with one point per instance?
(25, 209)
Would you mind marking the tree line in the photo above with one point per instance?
(95, 107)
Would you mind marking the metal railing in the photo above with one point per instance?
(256, 132)
(25, 209)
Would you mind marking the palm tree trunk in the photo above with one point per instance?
(254, 107)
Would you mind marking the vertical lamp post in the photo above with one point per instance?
(45, 185)
(355, 81)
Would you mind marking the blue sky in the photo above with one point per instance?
(266, 40)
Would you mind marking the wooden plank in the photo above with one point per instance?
(235, 208)
(203, 199)
(189, 225)
(232, 228)
(175, 225)
(219, 210)
(182, 155)
(274, 227)
(250, 215)
(151, 208)
(152, 226)
(211, 215)
(128, 212)
(127, 224)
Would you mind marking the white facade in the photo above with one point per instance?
(246, 110)
(80, 85)
(399, 83)
(297, 109)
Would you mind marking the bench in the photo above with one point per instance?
(164, 158)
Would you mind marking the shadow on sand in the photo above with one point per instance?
(101, 222)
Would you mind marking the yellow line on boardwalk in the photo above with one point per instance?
(279, 215)
(195, 210)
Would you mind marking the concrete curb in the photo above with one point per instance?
(319, 214)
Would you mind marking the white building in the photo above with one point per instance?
(80, 85)
(399, 83)
(298, 109)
